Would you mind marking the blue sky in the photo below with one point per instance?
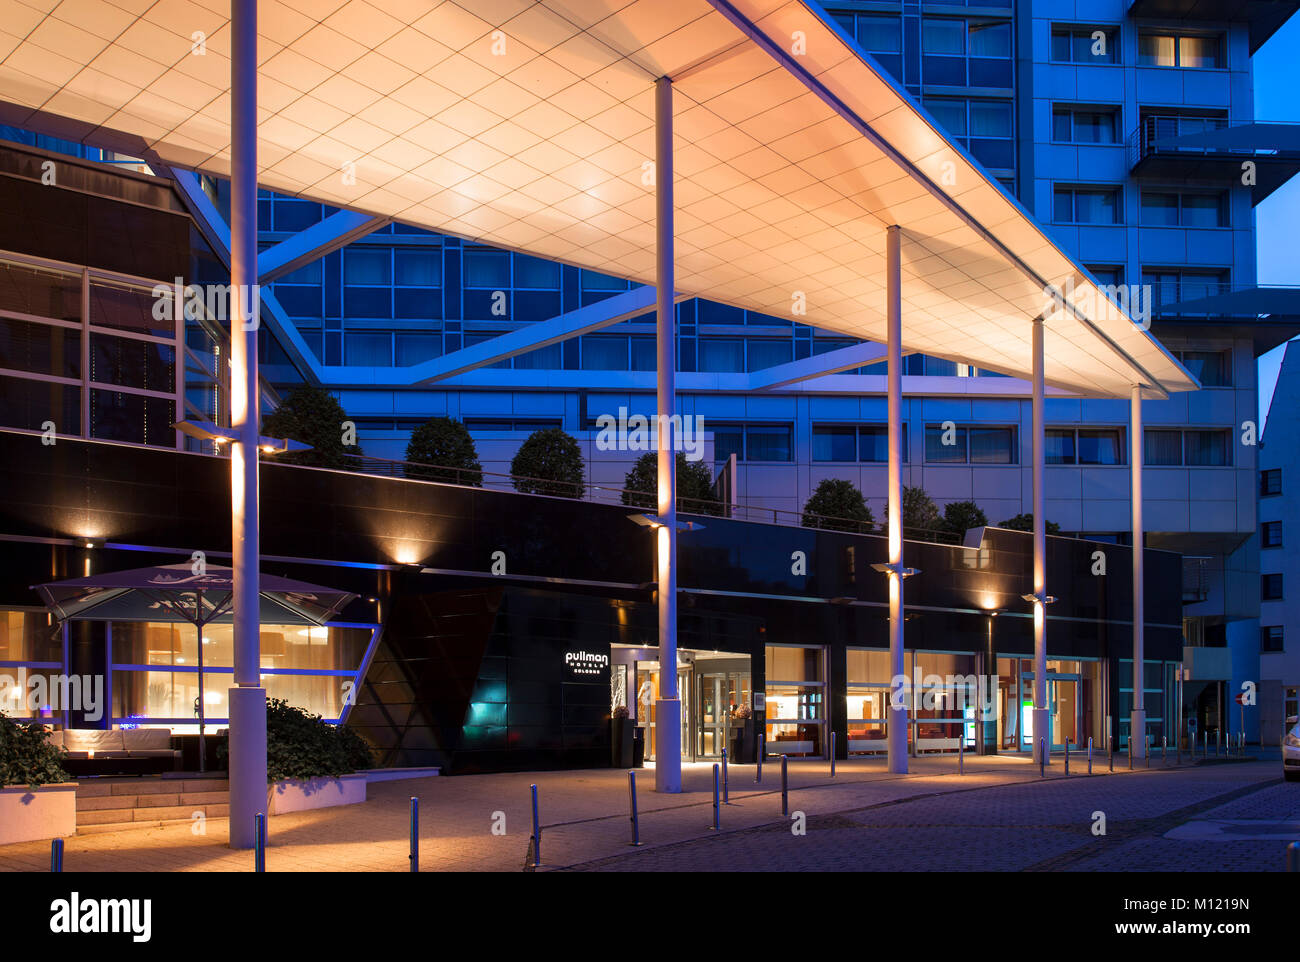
(1276, 218)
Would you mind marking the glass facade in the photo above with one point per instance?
(155, 670)
(796, 700)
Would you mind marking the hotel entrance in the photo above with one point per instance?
(713, 686)
(1074, 702)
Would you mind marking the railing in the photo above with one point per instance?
(1166, 293)
(1196, 580)
(1157, 127)
(640, 500)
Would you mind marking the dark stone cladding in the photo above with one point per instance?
(470, 672)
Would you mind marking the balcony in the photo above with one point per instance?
(1178, 147)
(1196, 579)
(1264, 17)
(1268, 315)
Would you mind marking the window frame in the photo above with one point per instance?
(1113, 32)
(1074, 190)
(1178, 36)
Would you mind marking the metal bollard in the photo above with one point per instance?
(1067, 756)
(1218, 742)
(56, 855)
(631, 798)
(1130, 752)
(1293, 857)
(259, 843)
(1147, 753)
(1178, 751)
(1110, 750)
(762, 747)
(785, 786)
(832, 754)
(1042, 757)
(961, 756)
(537, 833)
(1164, 750)
(415, 834)
(1089, 754)
(726, 792)
(1205, 742)
(716, 807)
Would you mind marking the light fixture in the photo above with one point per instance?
(652, 521)
(899, 569)
(1033, 599)
(90, 544)
(207, 431)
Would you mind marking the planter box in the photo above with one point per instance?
(300, 795)
(620, 742)
(27, 814)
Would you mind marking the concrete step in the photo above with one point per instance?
(120, 819)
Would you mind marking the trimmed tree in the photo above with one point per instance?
(838, 505)
(446, 446)
(920, 514)
(548, 462)
(1025, 522)
(313, 415)
(694, 485)
(960, 516)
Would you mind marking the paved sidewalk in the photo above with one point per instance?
(584, 816)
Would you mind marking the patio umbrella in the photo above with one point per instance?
(175, 593)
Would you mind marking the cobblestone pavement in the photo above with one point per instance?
(1018, 826)
(999, 815)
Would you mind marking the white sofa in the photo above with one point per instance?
(111, 743)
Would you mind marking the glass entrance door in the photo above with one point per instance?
(1065, 710)
(648, 692)
(718, 696)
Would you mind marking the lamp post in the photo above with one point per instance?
(668, 715)
(247, 711)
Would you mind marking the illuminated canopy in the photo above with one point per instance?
(530, 126)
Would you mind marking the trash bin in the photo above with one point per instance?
(638, 747)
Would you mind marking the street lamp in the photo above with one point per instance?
(207, 431)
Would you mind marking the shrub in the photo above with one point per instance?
(548, 462)
(1025, 522)
(312, 415)
(694, 485)
(302, 745)
(446, 445)
(960, 516)
(27, 757)
(838, 505)
(921, 518)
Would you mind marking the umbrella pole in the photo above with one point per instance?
(202, 749)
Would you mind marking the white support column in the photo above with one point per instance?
(668, 707)
(898, 713)
(247, 698)
(1042, 733)
(1138, 716)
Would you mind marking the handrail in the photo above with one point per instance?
(643, 500)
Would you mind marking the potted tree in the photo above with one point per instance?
(314, 416)
(446, 447)
(694, 485)
(38, 799)
(548, 462)
(621, 728)
(743, 743)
